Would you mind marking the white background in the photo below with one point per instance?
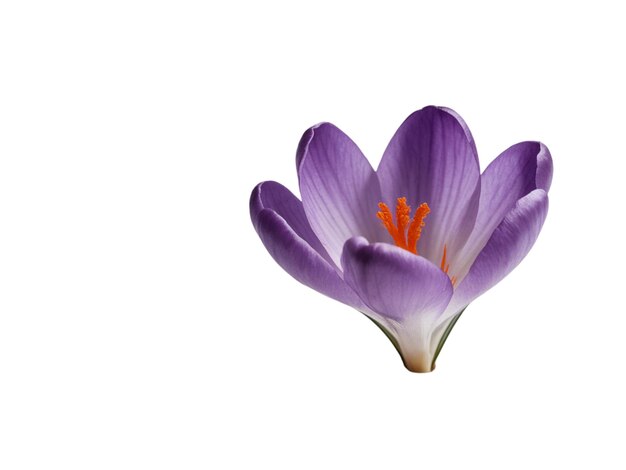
(142, 322)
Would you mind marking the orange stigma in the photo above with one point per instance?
(445, 266)
(402, 237)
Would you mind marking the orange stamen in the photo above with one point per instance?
(444, 266)
(385, 216)
(415, 229)
(403, 214)
(401, 237)
(406, 232)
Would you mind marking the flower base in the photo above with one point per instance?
(420, 362)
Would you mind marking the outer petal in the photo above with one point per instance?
(394, 282)
(432, 158)
(340, 190)
(509, 244)
(274, 196)
(407, 290)
(518, 170)
(278, 218)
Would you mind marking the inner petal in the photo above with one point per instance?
(432, 158)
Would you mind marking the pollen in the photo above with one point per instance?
(405, 232)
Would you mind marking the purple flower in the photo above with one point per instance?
(415, 273)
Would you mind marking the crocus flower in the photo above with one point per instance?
(411, 244)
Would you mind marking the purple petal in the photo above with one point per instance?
(518, 170)
(432, 158)
(340, 190)
(468, 134)
(509, 244)
(407, 291)
(272, 195)
(279, 219)
(394, 282)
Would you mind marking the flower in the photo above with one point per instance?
(412, 275)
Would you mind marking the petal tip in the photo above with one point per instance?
(306, 139)
(256, 200)
(255, 204)
(545, 168)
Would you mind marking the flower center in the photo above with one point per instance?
(406, 232)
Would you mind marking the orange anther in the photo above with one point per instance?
(406, 232)
(403, 214)
(387, 219)
(402, 237)
(415, 229)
